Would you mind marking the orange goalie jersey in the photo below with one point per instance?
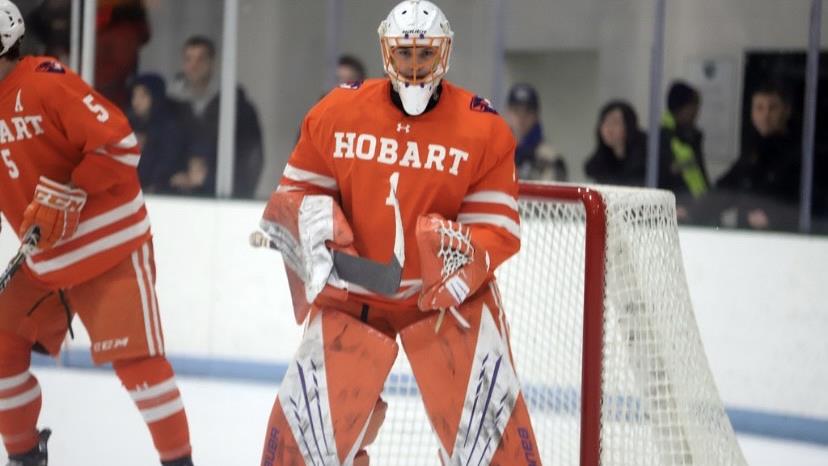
(355, 139)
(53, 124)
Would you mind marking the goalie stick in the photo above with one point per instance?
(374, 276)
(371, 275)
(29, 243)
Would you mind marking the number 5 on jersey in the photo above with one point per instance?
(101, 113)
(13, 171)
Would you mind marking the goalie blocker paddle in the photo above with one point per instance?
(27, 245)
(372, 275)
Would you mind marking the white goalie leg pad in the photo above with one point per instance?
(331, 367)
(304, 398)
(490, 397)
(470, 399)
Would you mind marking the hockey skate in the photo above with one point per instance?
(180, 462)
(37, 456)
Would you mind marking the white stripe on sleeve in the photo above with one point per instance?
(491, 219)
(304, 176)
(129, 159)
(128, 142)
(493, 197)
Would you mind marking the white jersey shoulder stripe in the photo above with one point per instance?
(491, 219)
(89, 250)
(493, 197)
(304, 176)
(125, 158)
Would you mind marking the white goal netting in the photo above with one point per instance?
(658, 402)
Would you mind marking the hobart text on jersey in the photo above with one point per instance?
(20, 127)
(387, 151)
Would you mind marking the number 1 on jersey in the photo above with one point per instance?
(391, 200)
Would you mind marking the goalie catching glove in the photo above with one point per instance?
(55, 210)
(453, 266)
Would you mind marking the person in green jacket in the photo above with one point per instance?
(681, 160)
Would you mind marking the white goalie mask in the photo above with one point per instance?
(11, 26)
(415, 40)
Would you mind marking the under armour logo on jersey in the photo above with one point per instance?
(401, 127)
(18, 107)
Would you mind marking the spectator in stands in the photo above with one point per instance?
(763, 184)
(681, 161)
(197, 93)
(620, 155)
(122, 29)
(534, 157)
(162, 144)
(47, 29)
(349, 69)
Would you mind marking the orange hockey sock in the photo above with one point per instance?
(151, 384)
(19, 395)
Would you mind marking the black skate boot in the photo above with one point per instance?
(37, 456)
(186, 461)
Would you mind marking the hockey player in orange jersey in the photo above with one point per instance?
(414, 170)
(68, 168)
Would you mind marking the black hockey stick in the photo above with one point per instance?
(27, 245)
(371, 275)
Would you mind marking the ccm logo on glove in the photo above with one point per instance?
(55, 210)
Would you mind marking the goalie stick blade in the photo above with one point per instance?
(373, 276)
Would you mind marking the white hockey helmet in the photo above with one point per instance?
(415, 41)
(11, 26)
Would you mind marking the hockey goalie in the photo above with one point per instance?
(418, 173)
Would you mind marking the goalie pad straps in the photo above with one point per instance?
(303, 227)
(470, 389)
(451, 264)
(329, 392)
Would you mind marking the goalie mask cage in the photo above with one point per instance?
(603, 335)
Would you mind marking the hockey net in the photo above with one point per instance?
(604, 339)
